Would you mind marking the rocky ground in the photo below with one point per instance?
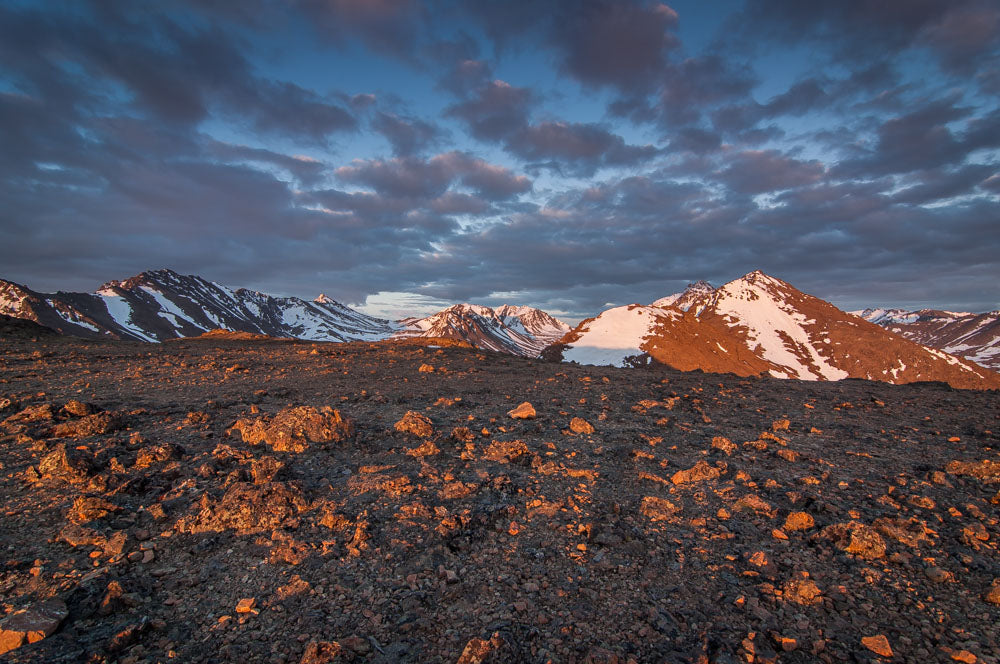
(270, 501)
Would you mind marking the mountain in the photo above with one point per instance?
(758, 324)
(162, 304)
(510, 329)
(975, 337)
(693, 293)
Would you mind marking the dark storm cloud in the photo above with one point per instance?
(176, 74)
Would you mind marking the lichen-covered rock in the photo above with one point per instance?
(158, 454)
(987, 469)
(62, 463)
(856, 538)
(293, 429)
(657, 509)
(415, 423)
(700, 472)
(248, 508)
(90, 425)
(505, 451)
(581, 426)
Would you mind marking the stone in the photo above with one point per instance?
(700, 472)
(581, 426)
(802, 591)
(856, 538)
(76, 408)
(88, 508)
(247, 508)
(96, 424)
(32, 624)
(159, 453)
(427, 448)
(294, 428)
(981, 470)
(416, 424)
(246, 605)
(426, 368)
(525, 411)
(797, 521)
(321, 652)
(878, 644)
(505, 451)
(481, 651)
(937, 575)
(658, 509)
(62, 463)
(964, 656)
(993, 594)
(724, 444)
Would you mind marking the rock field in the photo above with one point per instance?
(246, 500)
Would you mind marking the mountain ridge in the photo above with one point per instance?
(759, 324)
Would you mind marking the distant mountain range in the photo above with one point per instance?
(975, 337)
(162, 304)
(753, 325)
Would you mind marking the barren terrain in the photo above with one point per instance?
(215, 500)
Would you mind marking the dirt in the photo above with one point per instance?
(696, 517)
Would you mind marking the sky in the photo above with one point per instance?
(403, 155)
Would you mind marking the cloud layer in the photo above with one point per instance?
(597, 153)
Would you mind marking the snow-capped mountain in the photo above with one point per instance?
(510, 329)
(695, 292)
(161, 304)
(975, 337)
(758, 324)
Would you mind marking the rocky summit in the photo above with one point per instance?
(245, 499)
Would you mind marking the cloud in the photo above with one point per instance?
(407, 136)
(959, 33)
(415, 178)
(761, 171)
(494, 111)
(576, 148)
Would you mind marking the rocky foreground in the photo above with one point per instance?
(273, 501)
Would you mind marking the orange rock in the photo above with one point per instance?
(31, 624)
(523, 412)
(428, 448)
(698, 472)
(878, 644)
(580, 425)
(799, 521)
(246, 605)
(415, 423)
(724, 444)
(780, 425)
(965, 657)
(426, 368)
(658, 509)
